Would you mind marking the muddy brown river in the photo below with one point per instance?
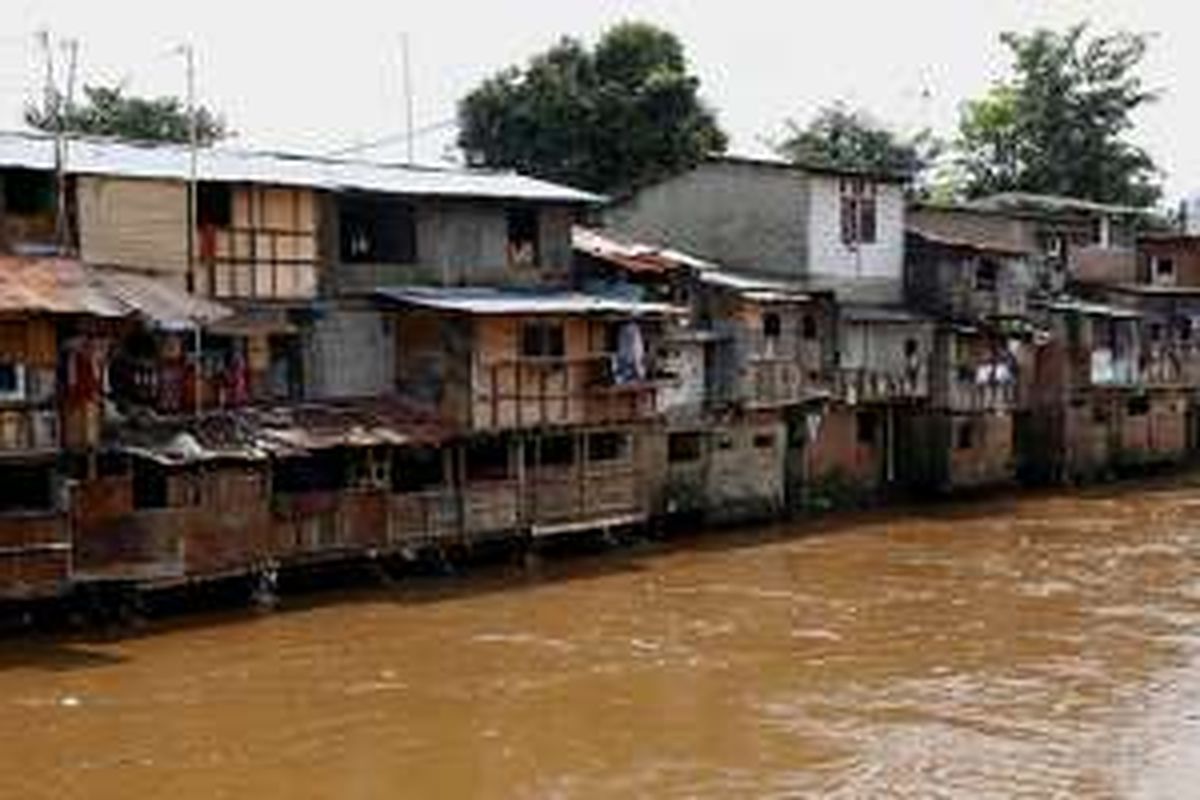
(1035, 646)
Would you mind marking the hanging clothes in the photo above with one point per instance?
(631, 354)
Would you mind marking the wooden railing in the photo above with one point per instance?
(970, 396)
(872, 386)
(530, 392)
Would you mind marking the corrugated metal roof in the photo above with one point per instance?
(88, 156)
(488, 300)
(962, 242)
(53, 286)
(255, 434)
(1091, 309)
(158, 301)
(1050, 203)
(867, 313)
(633, 257)
(30, 285)
(757, 289)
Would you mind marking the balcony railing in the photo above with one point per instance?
(974, 397)
(861, 385)
(531, 392)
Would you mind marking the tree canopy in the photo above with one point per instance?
(606, 119)
(846, 138)
(1059, 124)
(108, 111)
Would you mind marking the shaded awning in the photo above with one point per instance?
(158, 301)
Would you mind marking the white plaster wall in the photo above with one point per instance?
(830, 256)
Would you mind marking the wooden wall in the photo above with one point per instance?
(135, 223)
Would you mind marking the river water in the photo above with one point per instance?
(1034, 646)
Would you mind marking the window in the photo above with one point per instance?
(1184, 327)
(1138, 406)
(28, 192)
(684, 447)
(12, 381)
(808, 327)
(911, 348)
(214, 205)
(27, 487)
(487, 459)
(416, 470)
(764, 441)
(858, 211)
(607, 446)
(772, 326)
(542, 340)
(867, 424)
(966, 435)
(1163, 271)
(1156, 332)
(149, 485)
(523, 238)
(550, 451)
(377, 230)
(986, 273)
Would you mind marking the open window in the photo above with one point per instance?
(685, 447)
(377, 230)
(523, 237)
(488, 459)
(867, 423)
(554, 452)
(27, 487)
(542, 339)
(12, 382)
(609, 446)
(28, 192)
(1162, 271)
(214, 205)
(417, 470)
(987, 274)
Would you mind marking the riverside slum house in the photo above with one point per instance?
(285, 399)
(807, 306)
(978, 291)
(748, 350)
(1086, 403)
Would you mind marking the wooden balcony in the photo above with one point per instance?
(856, 386)
(970, 397)
(534, 392)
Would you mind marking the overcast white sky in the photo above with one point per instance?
(318, 76)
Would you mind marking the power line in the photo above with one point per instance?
(393, 138)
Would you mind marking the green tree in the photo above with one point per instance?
(605, 119)
(108, 111)
(1059, 124)
(846, 138)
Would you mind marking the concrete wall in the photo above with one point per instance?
(748, 217)
(140, 224)
(349, 353)
(879, 264)
(458, 243)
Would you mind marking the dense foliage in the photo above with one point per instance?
(848, 138)
(1059, 124)
(608, 119)
(108, 111)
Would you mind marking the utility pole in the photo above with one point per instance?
(406, 47)
(189, 54)
(53, 107)
(63, 226)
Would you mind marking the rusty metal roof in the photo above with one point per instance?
(260, 433)
(32, 285)
(634, 258)
(50, 285)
